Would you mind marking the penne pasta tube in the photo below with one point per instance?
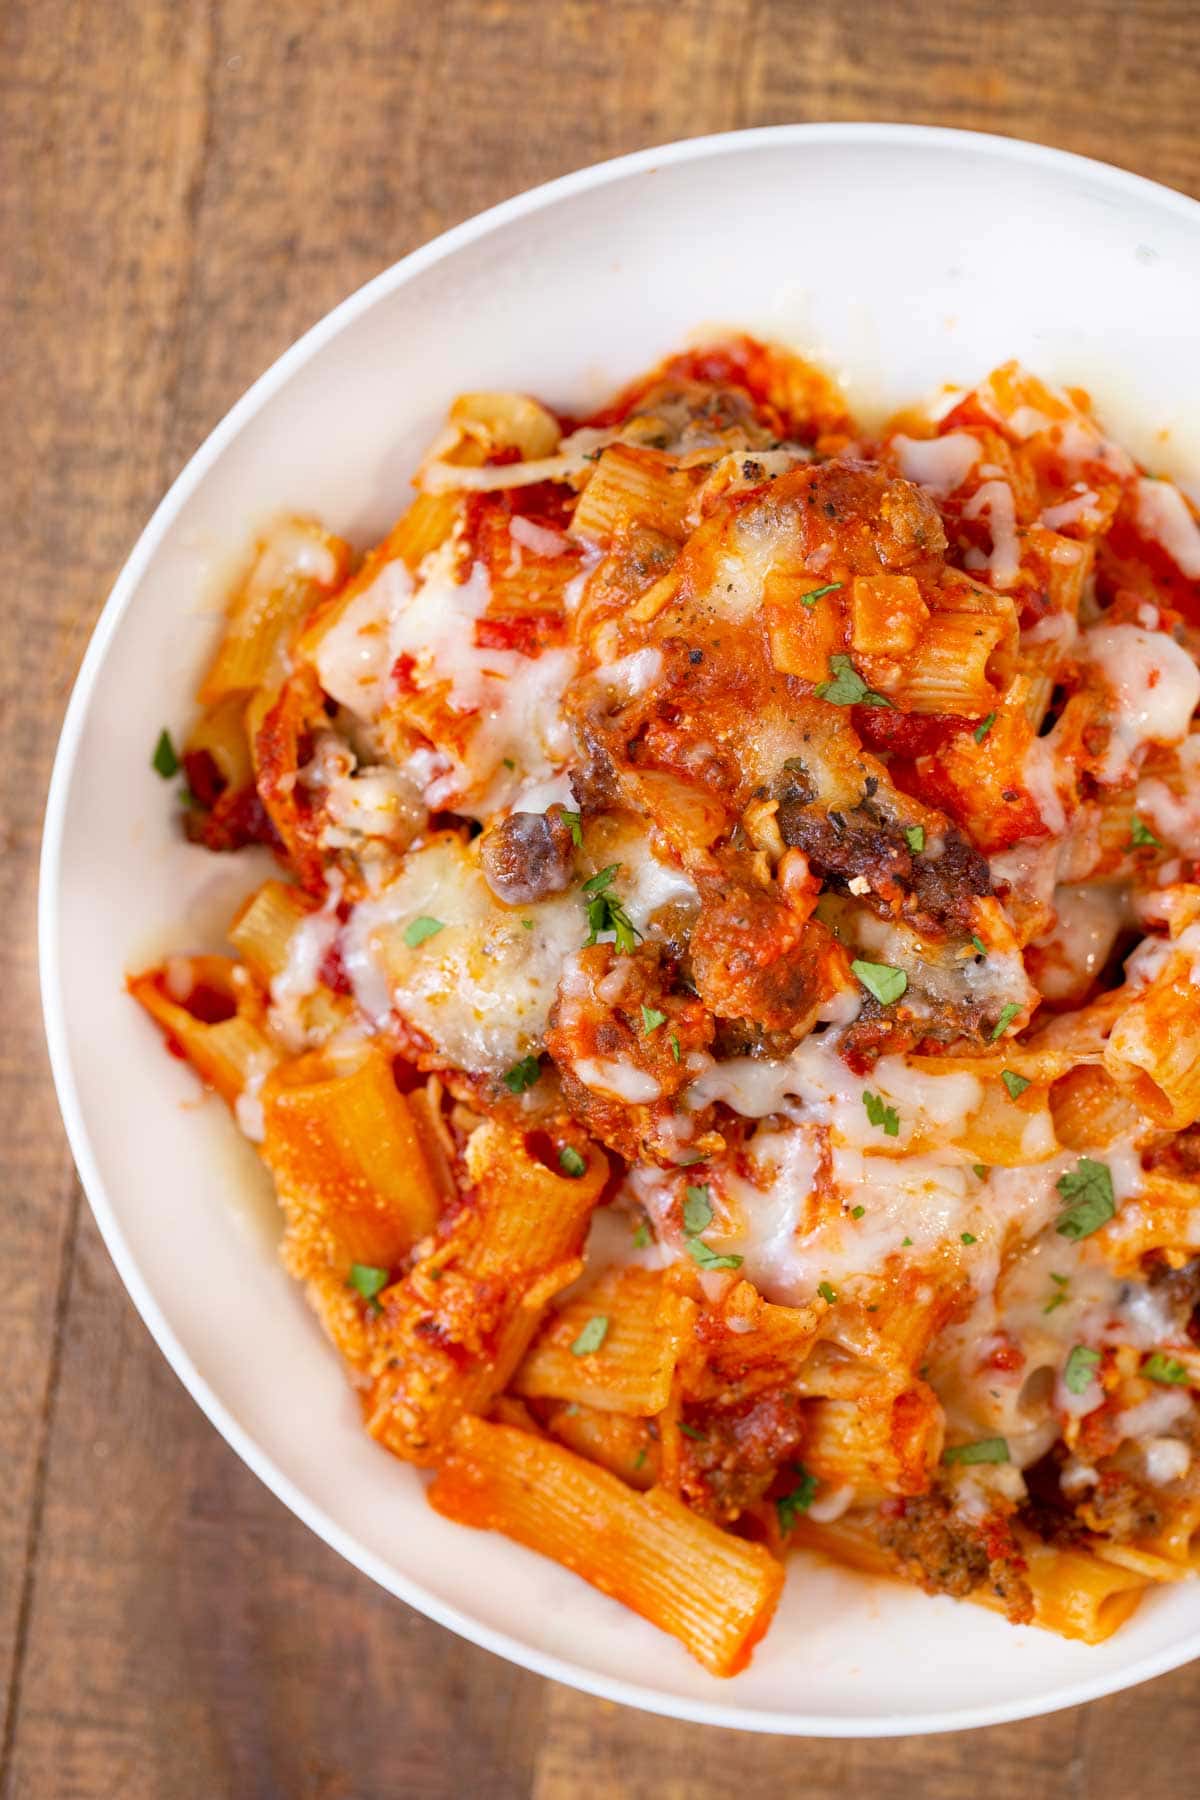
(714, 1592)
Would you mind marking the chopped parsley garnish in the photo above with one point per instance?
(1088, 1189)
(417, 930)
(856, 1212)
(368, 1282)
(591, 1337)
(527, 924)
(815, 594)
(905, 1242)
(697, 1211)
(1059, 1299)
(574, 824)
(674, 1043)
(914, 837)
(692, 1431)
(983, 727)
(165, 762)
(879, 1114)
(603, 878)
(789, 1506)
(968, 1237)
(827, 1293)
(882, 980)
(1080, 1367)
(641, 1235)
(1007, 1014)
(640, 1458)
(522, 1075)
(1158, 1367)
(606, 912)
(706, 1258)
(1141, 837)
(651, 1020)
(980, 1169)
(570, 1162)
(983, 1450)
(508, 762)
(846, 686)
(979, 944)
(1016, 1084)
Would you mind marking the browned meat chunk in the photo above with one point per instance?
(527, 856)
(945, 1555)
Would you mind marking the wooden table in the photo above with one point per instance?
(185, 185)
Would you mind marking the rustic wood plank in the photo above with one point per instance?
(183, 188)
(91, 178)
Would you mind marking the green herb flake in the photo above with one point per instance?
(1007, 1015)
(508, 762)
(706, 1258)
(980, 946)
(1059, 1280)
(603, 878)
(692, 1431)
(905, 1242)
(640, 1458)
(880, 1115)
(827, 1293)
(983, 727)
(651, 1020)
(968, 1237)
(1141, 837)
(571, 1163)
(856, 1212)
(815, 594)
(882, 980)
(591, 1337)
(914, 837)
(368, 1282)
(1080, 1368)
(641, 1235)
(1054, 1302)
(418, 930)
(846, 686)
(789, 1506)
(165, 762)
(1015, 1084)
(983, 1450)
(980, 1169)
(1088, 1190)
(522, 1075)
(1169, 1369)
(574, 823)
(527, 924)
(674, 1043)
(697, 1211)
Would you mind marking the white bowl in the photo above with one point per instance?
(900, 258)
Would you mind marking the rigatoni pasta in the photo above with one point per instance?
(725, 1030)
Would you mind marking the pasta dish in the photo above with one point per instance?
(725, 1029)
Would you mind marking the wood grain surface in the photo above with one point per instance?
(185, 185)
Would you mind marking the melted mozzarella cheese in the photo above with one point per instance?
(355, 656)
(1076, 948)
(1155, 688)
(1079, 508)
(617, 1080)
(994, 503)
(940, 464)
(480, 989)
(1165, 517)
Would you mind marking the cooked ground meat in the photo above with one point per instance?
(934, 893)
(754, 959)
(732, 1454)
(527, 856)
(1121, 1507)
(945, 1555)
